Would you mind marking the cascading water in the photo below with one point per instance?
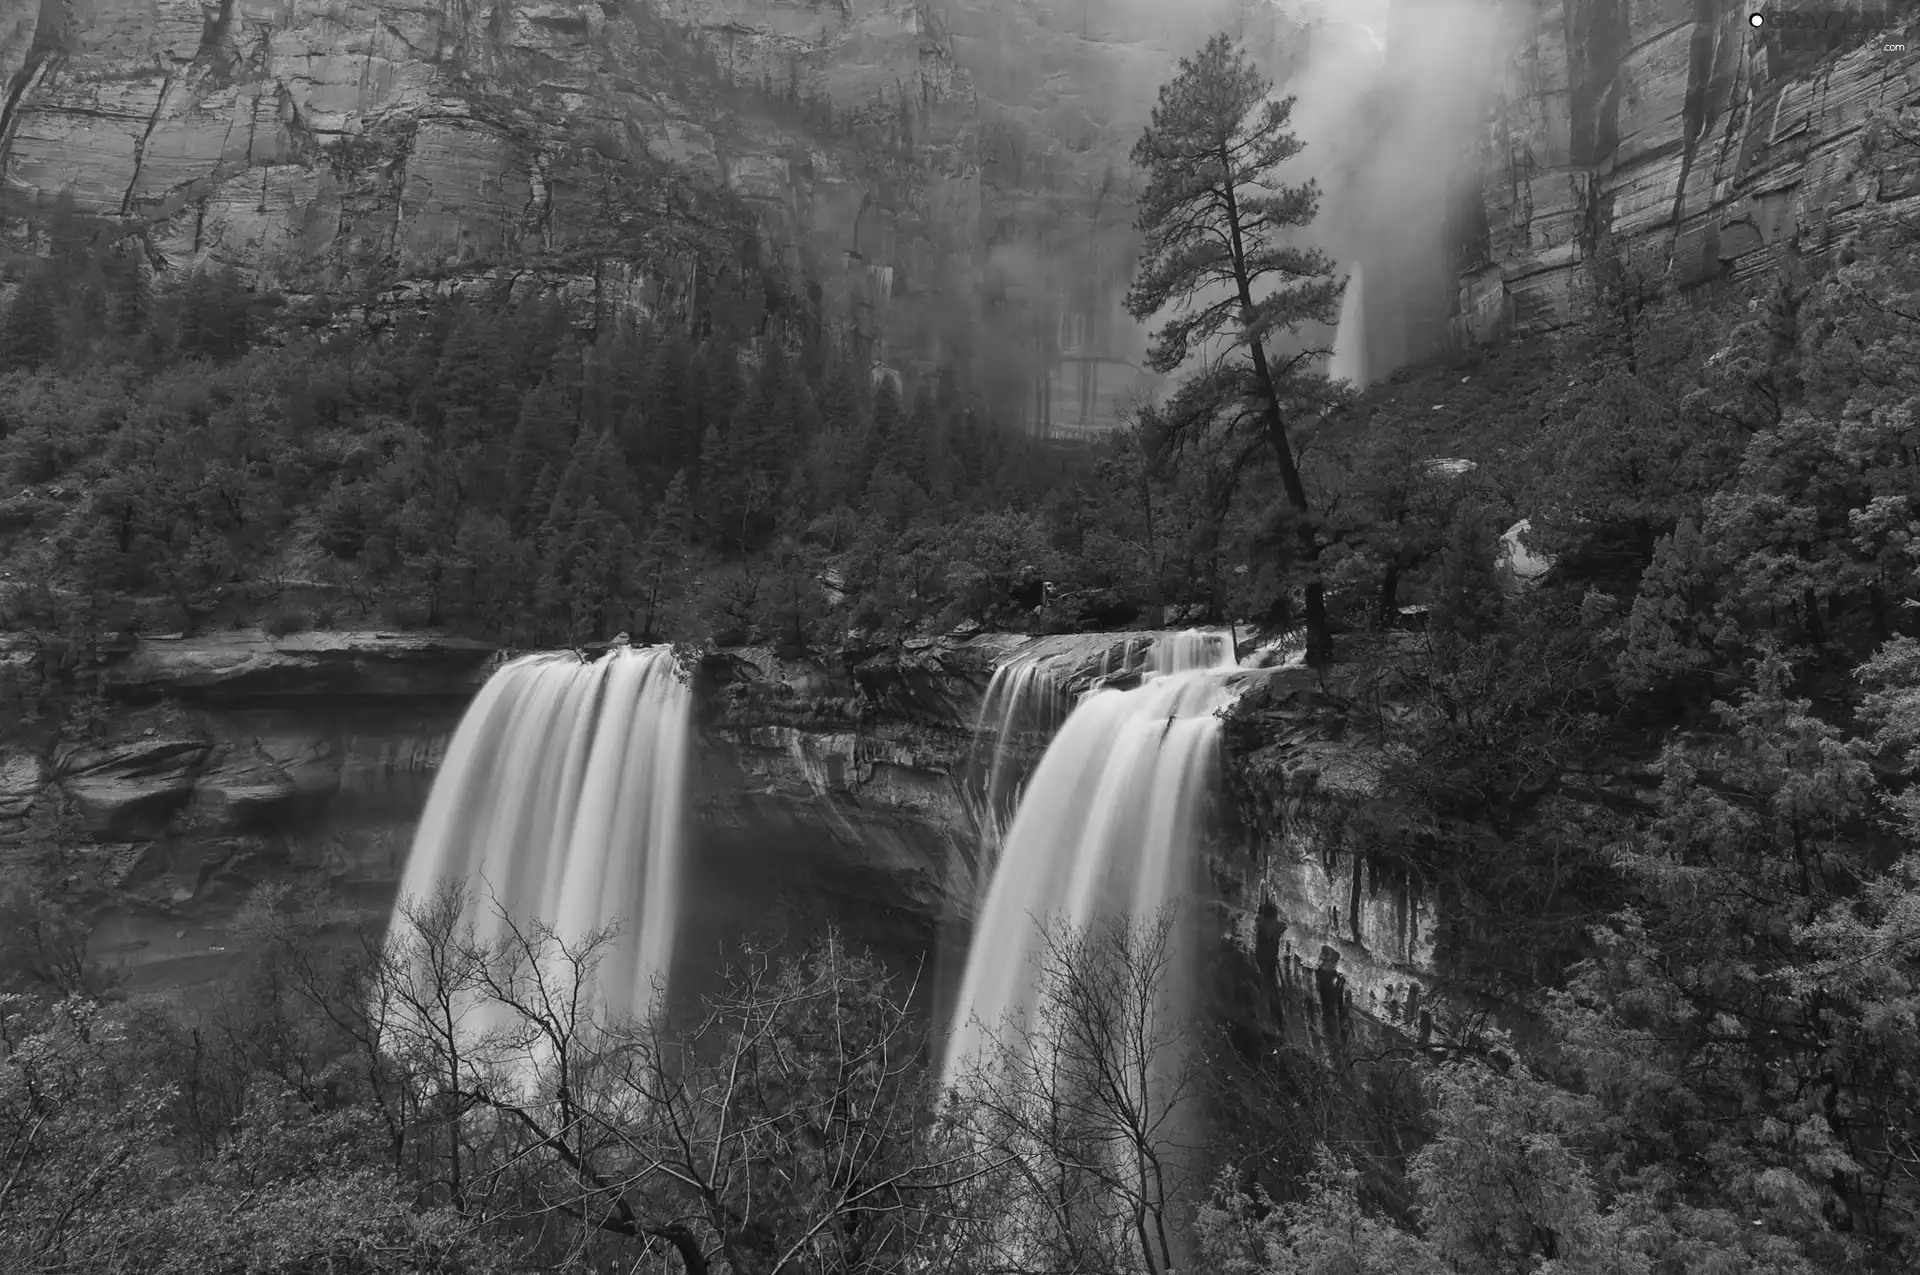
(1101, 831)
(560, 801)
(1023, 699)
(1349, 361)
(1029, 699)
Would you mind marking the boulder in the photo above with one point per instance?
(22, 776)
(132, 787)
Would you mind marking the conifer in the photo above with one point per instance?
(1213, 217)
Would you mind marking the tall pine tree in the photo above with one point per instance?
(1213, 217)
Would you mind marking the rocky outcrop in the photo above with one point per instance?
(232, 759)
(250, 667)
(1703, 146)
(223, 761)
(1355, 937)
(127, 788)
(933, 177)
(384, 147)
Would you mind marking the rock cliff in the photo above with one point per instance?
(378, 148)
(228, 760)
(1352, 939)
(1705, 147)
(843, 788)
(938, 178)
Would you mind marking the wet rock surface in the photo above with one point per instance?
(1705, 147)
(1353, 937)
(977, 151)
(251, 668)
(846, 781)
(233, 759)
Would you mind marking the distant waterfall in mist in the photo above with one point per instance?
(1103, 828)
(561, 799)
(1349, 361)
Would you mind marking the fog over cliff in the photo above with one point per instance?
(936, 181)
(1392, 98)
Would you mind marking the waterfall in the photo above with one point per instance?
(1029, 698)
(1103, 828)
(1349, 361)
(561, 801)
(1024, 699)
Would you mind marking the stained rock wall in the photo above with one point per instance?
(1358, 943)
(386, 147)
(1705, 147)
(941, 178)
(234, 759)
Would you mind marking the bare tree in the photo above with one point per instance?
(1089, 1104)
(432, 977)
(784, 1126)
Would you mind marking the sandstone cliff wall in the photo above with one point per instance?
(383, 147)
(940, 178)
(840, 786)
(1358, 945)
(1704, 147)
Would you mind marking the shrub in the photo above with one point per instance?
(288, 619)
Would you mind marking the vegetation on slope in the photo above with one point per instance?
(1664, 796)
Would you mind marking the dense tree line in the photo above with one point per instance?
(1665, 794)
(180, 451)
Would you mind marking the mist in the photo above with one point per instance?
(1390, 101)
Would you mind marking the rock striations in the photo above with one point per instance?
(1701, 146)
(939, 177)
(225, 761)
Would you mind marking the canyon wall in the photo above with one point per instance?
(935, 178)
(842, 789)
(830, 789)
(377, 148)
(1358, 945)
(1702, 147)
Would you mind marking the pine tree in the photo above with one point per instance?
(129, 295)
(668, 437)
(663, 556)
(32, 320)
(214, 315)
(883, 432)
(613, 385)
(1212, 217)
(542, 440)
(472, 388)
(541, 333)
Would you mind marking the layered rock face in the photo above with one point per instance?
(1359, 944)
(939, 178)
(1705, 147)
(233, 760)
(380, 147)
(840, 787)
(843, 790)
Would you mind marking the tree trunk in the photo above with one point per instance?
(1319, 634)
(1319, 638)
(1156, 594)
(1389, 594)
